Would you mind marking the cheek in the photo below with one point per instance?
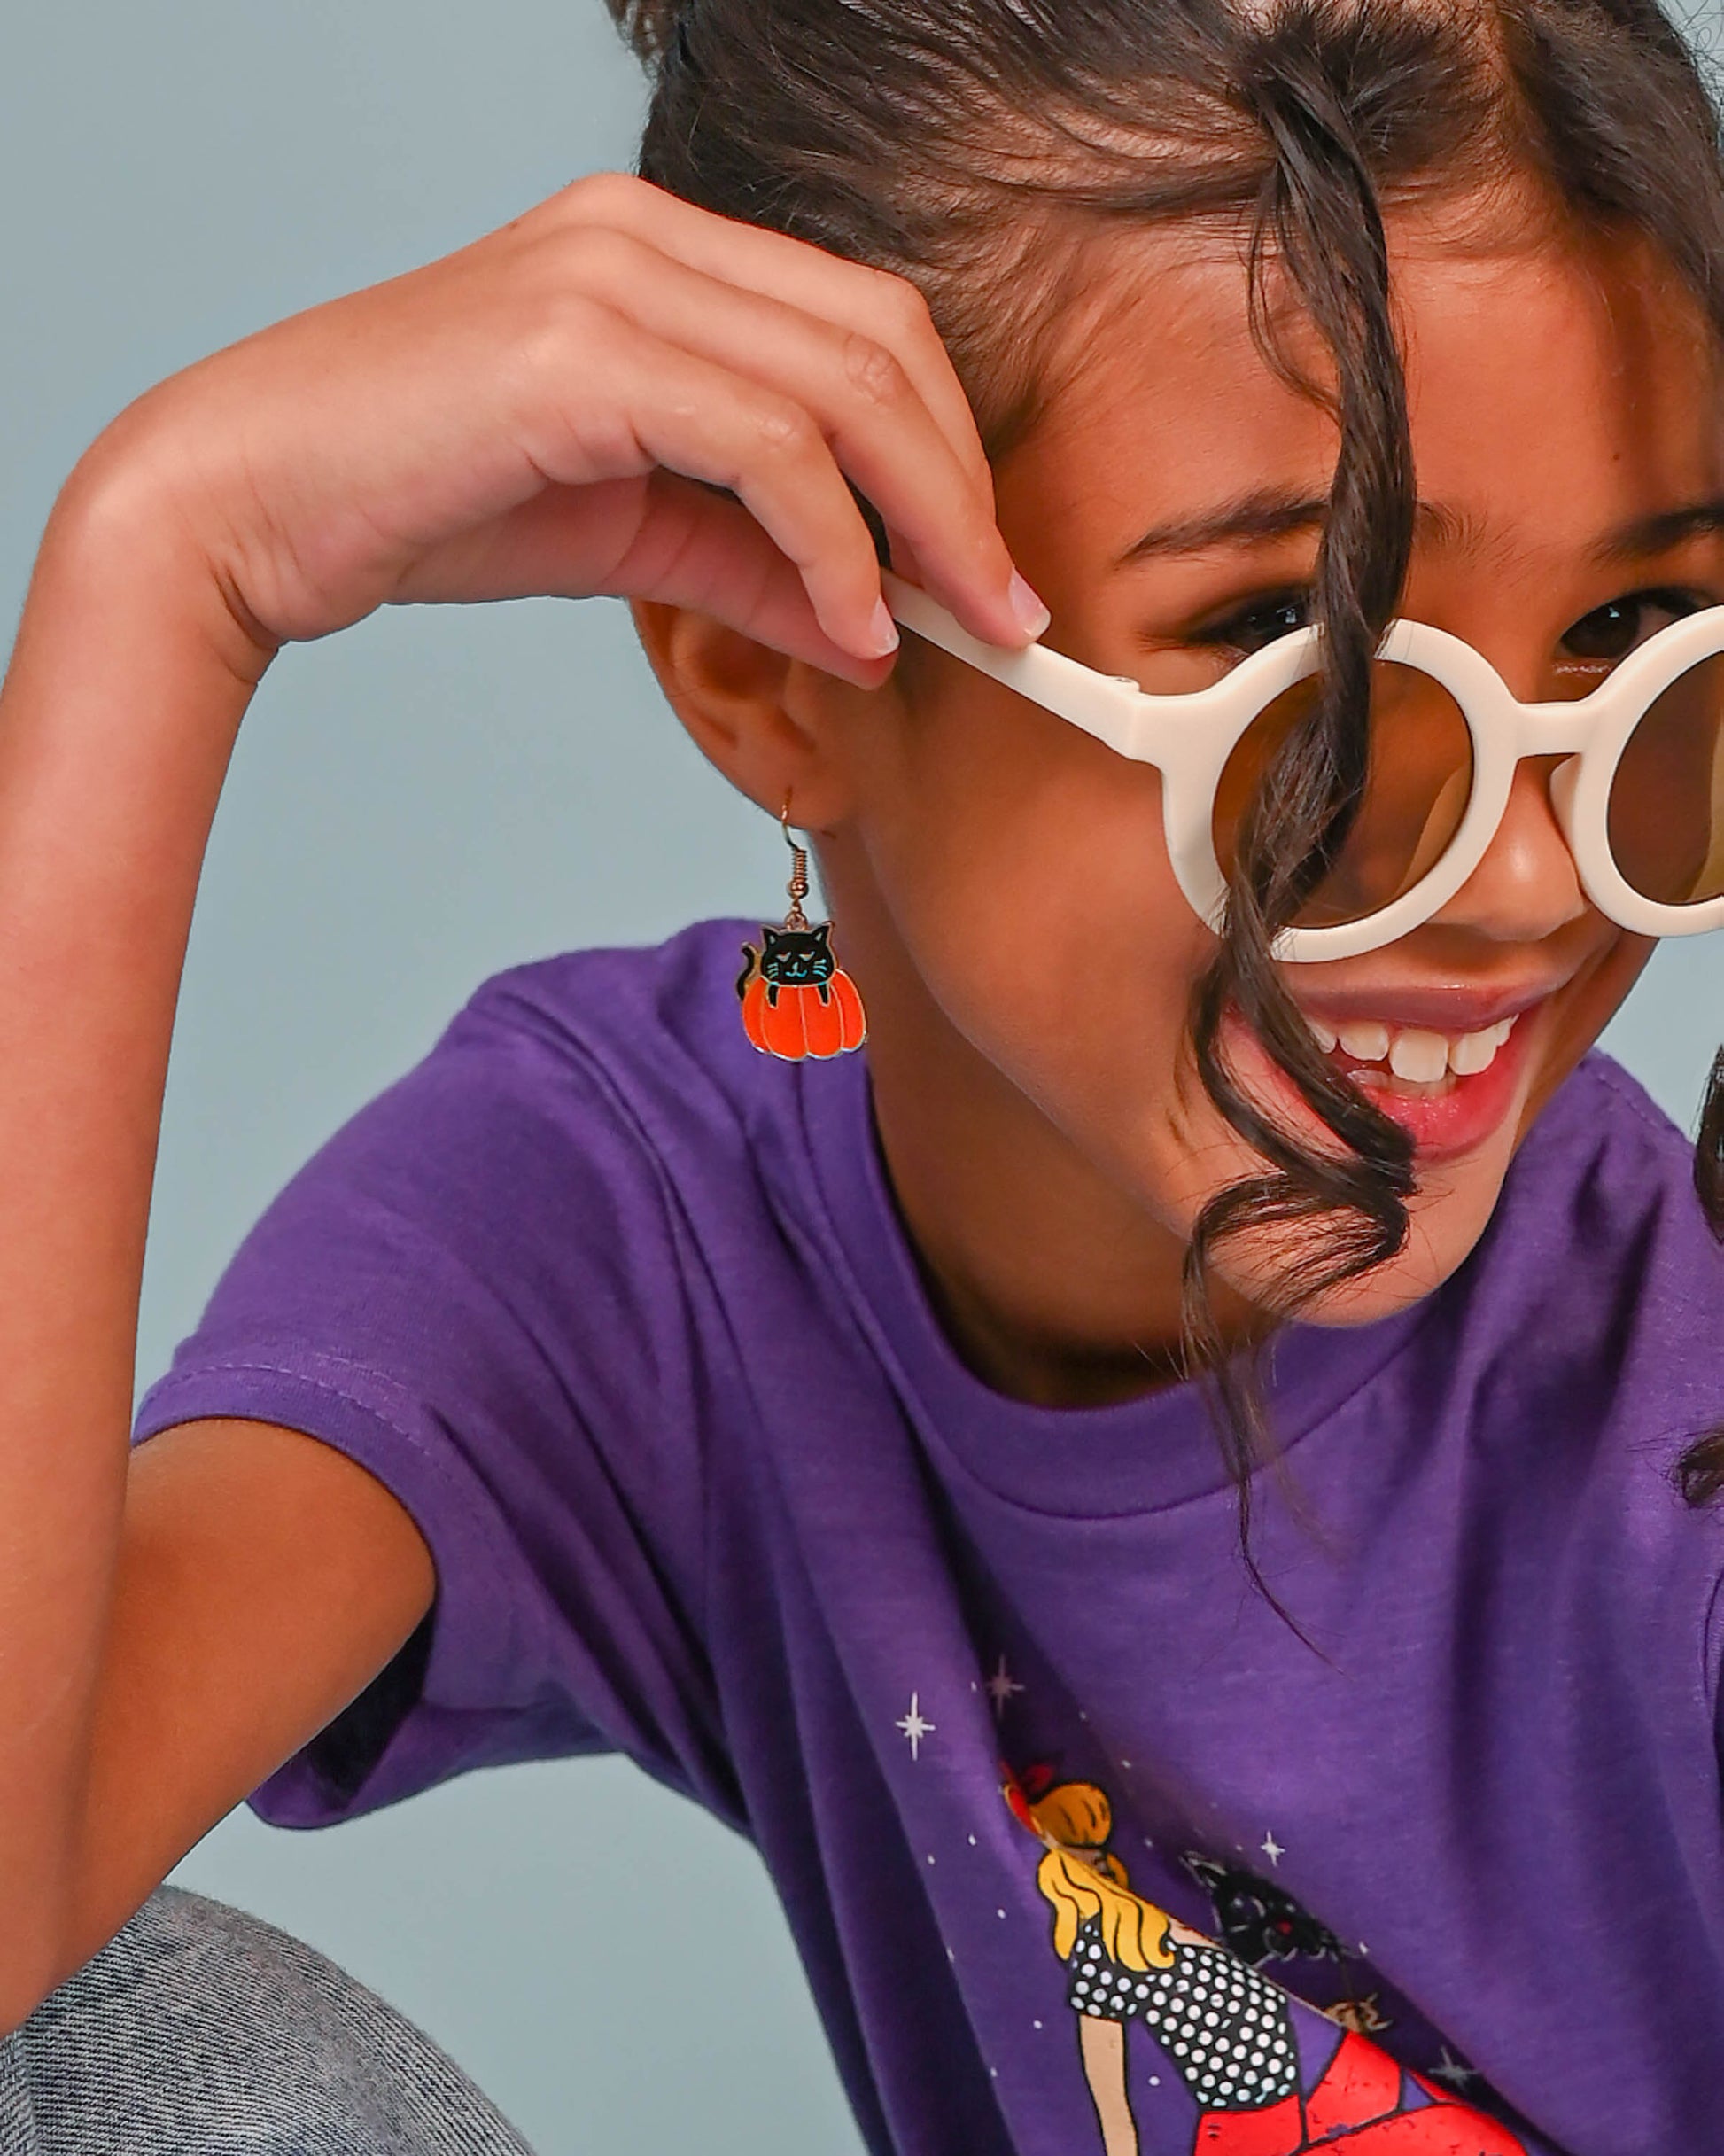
(1027, 877)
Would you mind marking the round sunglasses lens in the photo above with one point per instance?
(1666, 816)
(1416, 789)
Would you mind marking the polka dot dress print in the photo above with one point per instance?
(1227, 2030)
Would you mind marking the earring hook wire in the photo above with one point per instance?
(796, 888)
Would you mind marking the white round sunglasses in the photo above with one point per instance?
(1639, 794)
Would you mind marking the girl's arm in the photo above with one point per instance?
(166, 1637)
(551, 410)
(1103, 2046)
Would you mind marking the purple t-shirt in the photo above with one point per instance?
(624, 1314)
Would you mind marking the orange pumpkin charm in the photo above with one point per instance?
(797, 1001)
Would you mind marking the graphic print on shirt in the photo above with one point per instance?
(1261, 1922)
(1363, 2016)
(1258, 1921)
(1227, 2031)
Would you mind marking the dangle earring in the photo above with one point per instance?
(797, 999)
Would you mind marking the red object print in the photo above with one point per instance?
(1355, 2107)
(1277, 2131)
(1362, 2083)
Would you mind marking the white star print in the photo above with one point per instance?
(913, 1726)
(1001, 1685)
(1455, 2071)
(1272, 1848)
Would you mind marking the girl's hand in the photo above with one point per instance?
(550, 409)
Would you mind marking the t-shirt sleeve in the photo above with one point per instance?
(472, 1290)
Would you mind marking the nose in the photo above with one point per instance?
(1527, 887)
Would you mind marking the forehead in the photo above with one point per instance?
(1559, 387)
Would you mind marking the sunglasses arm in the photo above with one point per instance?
(1115, 711)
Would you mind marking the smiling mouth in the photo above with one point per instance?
(1448, 1063)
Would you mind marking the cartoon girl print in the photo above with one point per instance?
(1228, 2032)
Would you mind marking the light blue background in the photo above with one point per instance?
(428, 798)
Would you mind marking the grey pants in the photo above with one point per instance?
(199, 2031)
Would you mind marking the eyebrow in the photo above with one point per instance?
(1247, 518)
(1254, 519)
(1250, 519)
(1668, 528)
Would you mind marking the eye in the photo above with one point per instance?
(1256, 624)
(1604, 638)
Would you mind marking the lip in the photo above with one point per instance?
(1434, 1009)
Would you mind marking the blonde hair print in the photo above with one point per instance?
(1083, 1883)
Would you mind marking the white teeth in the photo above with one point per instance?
(1419, 1055)
(1471, 1053)
(1413, 1052)
(1368, 1039)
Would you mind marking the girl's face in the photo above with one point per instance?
(1000, 881)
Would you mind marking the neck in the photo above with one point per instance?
(1052, 1285)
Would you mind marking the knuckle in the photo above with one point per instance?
(596, 255)
(908, 303)
(873, 371)
(558, 322)
(599, 195)
(787, 430)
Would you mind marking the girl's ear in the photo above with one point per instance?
(761, 719)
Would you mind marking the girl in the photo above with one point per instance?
(823, 1429)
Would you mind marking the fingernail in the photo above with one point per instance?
(883, 633)
(1032, 615)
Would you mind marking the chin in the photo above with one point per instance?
(1444, 1225)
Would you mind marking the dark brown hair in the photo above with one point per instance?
(969, 145)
